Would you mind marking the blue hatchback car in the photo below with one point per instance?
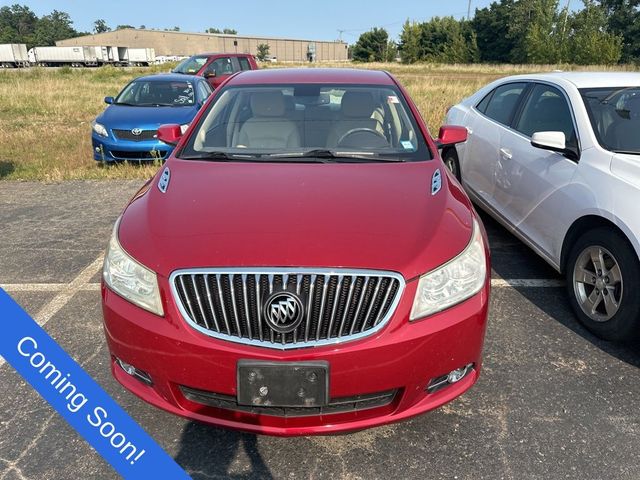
(126, 130)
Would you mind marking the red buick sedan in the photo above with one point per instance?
(302, 264)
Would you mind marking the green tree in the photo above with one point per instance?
(491, 25)
(212, 30)
(100, 26)
(263, 51)
(229, 31)
(371, 46)
(447, 40)
(409, 46)
(17, 25)
(121, 27)
(55, 26)
(623, 18)
(591, 42)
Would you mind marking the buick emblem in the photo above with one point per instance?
(136, 131)
(283, 312)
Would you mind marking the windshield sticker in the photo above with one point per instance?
(406, 144)
(392, 99)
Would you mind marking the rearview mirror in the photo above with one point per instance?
(450, 135)
(108, 100)
(170, 134)
(209, 74)
(555, 142)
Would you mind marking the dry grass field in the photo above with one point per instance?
(46, 114)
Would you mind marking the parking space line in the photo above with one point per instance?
(526, 282)
(65, 291)
(61, 299)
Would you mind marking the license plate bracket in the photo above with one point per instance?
(283, 384)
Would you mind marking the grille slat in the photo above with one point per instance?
(128, 135)
(213, 312)
(336, 305)
(222, 304)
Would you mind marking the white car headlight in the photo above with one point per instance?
(99, 129)
(453, 282)
(183, 128)
(130, 279)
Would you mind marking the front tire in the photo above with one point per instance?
(450, 160)
(603, 275)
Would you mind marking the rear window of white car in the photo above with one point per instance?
(614, 113)
(501, 102)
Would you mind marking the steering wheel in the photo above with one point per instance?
(365, 130)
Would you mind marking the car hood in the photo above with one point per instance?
(121, 116)
(372, 216)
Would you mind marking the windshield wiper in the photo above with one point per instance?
(336, 155)
(216, 155)
(125, 104)
(627, 152)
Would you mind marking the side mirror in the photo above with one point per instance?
(450, 135)
(170, 134)
(108, 100)
(555, 142)
(209, 74)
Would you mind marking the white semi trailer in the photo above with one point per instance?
(58, 56)
(13, 55)
(139, 56)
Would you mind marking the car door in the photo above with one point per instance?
(218, 70)
(531, 194)
(481, 164)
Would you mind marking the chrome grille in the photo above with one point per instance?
(339, 305)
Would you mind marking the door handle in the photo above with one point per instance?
(506, 154)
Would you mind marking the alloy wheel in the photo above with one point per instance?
(597, 283)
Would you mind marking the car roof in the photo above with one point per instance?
(313, 75)
(168, 76)
(211, 54)
(586, 79)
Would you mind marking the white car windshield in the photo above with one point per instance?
(615, 117)
(308, 120)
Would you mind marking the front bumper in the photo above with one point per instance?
(108, 149)
(402, 357)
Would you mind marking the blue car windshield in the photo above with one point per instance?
(157, 93)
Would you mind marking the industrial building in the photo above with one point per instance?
(185, 44)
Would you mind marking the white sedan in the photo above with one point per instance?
(555, 158)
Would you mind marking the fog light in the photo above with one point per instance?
(129, 369)
(452, 377)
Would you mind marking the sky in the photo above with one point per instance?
(318, 20)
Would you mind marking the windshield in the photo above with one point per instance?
(190, 65)
(153, 93)
(335, 122)
(615, 117)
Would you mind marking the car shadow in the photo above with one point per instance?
(512, 259)
(207, 452)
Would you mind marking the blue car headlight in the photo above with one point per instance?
(99, 129)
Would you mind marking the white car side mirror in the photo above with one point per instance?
(554, 141)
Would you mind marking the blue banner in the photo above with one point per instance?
(79, 399)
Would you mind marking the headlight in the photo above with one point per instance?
(454, 281)
(130, 279)
(99, 129)
(183, 128)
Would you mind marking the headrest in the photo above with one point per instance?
(267, 104)
(357, 104)
(633, 105)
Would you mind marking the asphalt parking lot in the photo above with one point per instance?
(553, 401)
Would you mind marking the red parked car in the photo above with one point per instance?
(216, 67)
(303, 263)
